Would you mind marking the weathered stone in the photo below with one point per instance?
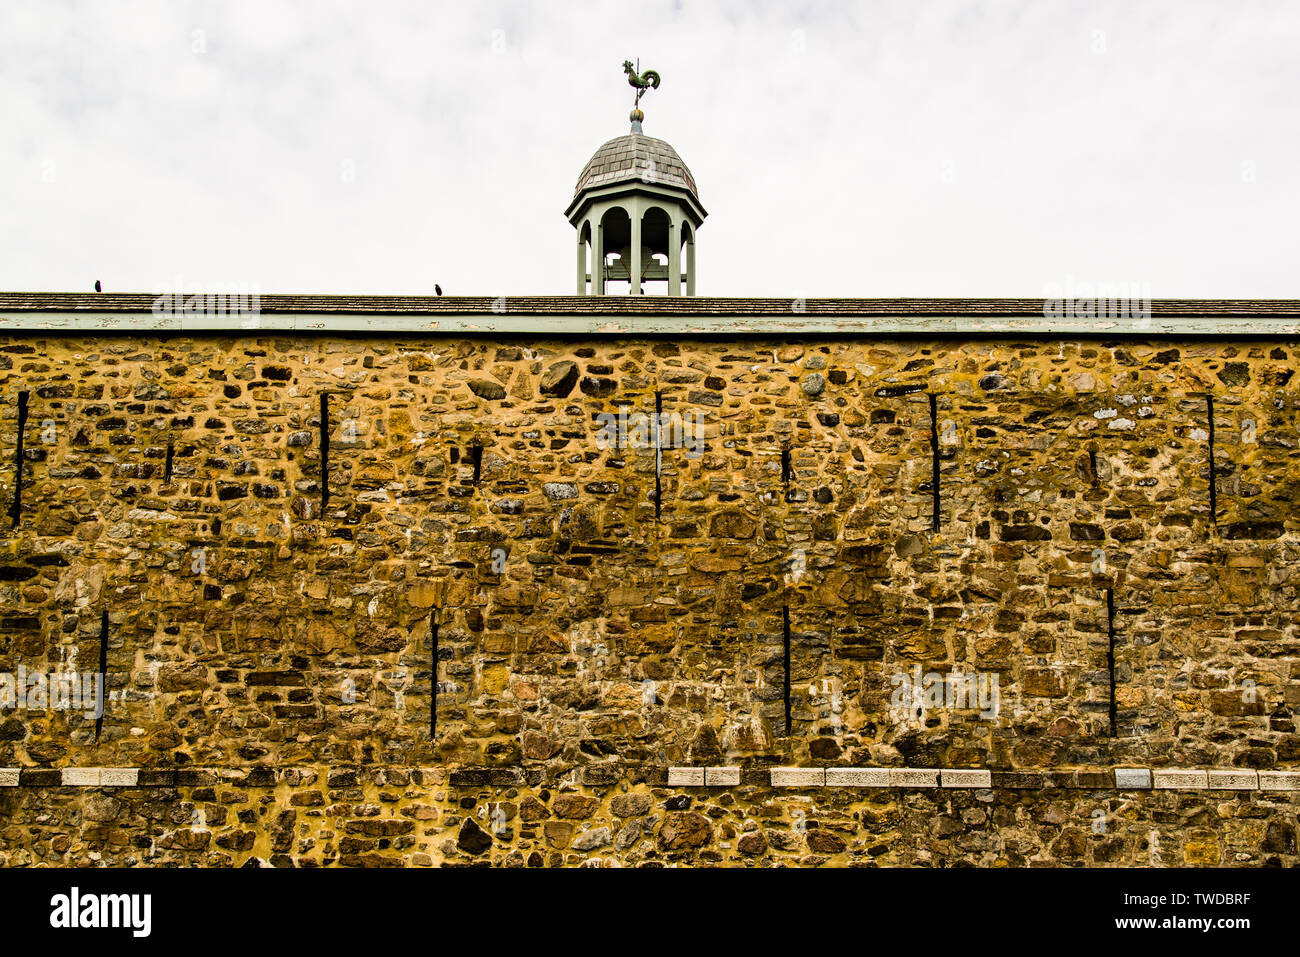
(965, 778)
(183, 677)
(539, 746)
(857, 777)
(1279, 780)
(593, 838)
(798, 777)
(1184, 780)
(821, 841)
(724, 777)
(1279, 838)
(630, 805)
(100, 807)
(1232, 780)
(574, 806)
(472, 839)
(684, 829)
(628, 835)
(487, 389)
(1129, 778)
(559, 379)
(686, 777)
(913, 777)
(752, 844)
(597, 387)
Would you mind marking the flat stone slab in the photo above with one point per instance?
(1089, 778)
(857, 777)
(1023, 780)
(798, 777)
(686, 777)
(1279, 780)
(1131, 779)
(1179, 780)
(966, 778)
(100, 777)
(721, 777)
(914, 777)
(81, 777)
(1234, 780)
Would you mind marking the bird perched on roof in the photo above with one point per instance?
(98, 287)
(437, 289)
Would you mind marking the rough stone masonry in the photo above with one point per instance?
(280, 549)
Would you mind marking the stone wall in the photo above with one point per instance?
(599, 614)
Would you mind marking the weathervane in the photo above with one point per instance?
(649, 80)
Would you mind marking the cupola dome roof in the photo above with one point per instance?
(636, 156)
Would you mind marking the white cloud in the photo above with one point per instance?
(841, 149)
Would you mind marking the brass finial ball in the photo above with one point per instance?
(636, 116)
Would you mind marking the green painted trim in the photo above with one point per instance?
(89, 322)
(580, 207)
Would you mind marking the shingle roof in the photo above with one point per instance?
(639, 316)
(638, 305)
(636, 156)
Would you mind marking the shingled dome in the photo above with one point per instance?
(636, 211)
(636, 156)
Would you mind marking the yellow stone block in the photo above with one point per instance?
(1201, 853)
(495, 678)
(423, 594)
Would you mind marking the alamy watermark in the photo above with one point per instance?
(662, 430)
(60, 690)
(75, 909)
(1103, 300)
(914, 693)
(211, 300)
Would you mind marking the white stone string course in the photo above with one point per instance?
(1125, 779)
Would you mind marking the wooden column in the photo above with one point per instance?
(674, 260)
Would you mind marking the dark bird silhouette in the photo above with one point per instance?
(437, 289)
(98, 287)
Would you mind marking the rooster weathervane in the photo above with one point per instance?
(649, 80)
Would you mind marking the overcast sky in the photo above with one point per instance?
(917, 148)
